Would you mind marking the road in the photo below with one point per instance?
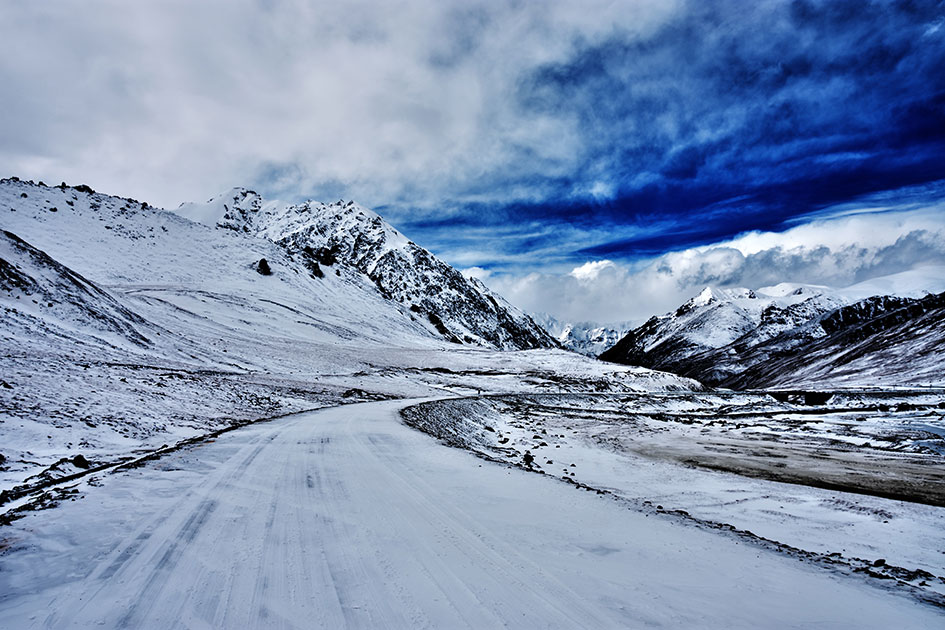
(346, 518)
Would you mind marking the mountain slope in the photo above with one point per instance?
(880, 341)
(803, 337)
(158, 262)
(462, 310)
(715, 319)
(42, 294)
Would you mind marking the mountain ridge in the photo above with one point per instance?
(462, 310)
(748, 339)
(587, 338)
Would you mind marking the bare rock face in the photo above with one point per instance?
(263, 268)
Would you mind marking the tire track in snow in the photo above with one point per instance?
(169, 533)
(346, 518)
(505, 565)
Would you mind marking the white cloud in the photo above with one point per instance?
(388, 102)
(837, 252)
(865, 227)
(590, 271)
(476, 272)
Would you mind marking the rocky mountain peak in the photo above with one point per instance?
(460, 309)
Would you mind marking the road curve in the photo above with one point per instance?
(346, 518)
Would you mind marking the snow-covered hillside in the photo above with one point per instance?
(588, 338)
(462, 310)
(716, 318)
(50, 297)
(794, 335)
(883, 341)
(126, 327)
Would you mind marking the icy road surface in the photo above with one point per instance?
(346, 518)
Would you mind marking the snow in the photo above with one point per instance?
(678, 452)
(717, 317)
(287, 525)
(278, 487)
(797, 335)
(704, 297)
(460, 309)
(714, 318)
(210, 213)
(244, 210)
(785, 289)
(914, 283)
(587, 338)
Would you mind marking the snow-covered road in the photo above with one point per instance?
(346, 518)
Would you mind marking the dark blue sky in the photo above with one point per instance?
(725, 118)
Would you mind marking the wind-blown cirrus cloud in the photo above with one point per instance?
(521, 139)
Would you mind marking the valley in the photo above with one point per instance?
(192, 438)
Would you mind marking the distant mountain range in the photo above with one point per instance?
(588, 338)
(96, 270)
(795, 336)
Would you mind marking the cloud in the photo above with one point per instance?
(515, 137)
(401, 102)
(412, 104)
(476, 272)
(838, 251)
(590, 271)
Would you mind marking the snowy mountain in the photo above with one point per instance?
(791, 335)
(587, 338)
(317, 234)
(126, 327)
(880, 341)
(132, 340)
(715, 318)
